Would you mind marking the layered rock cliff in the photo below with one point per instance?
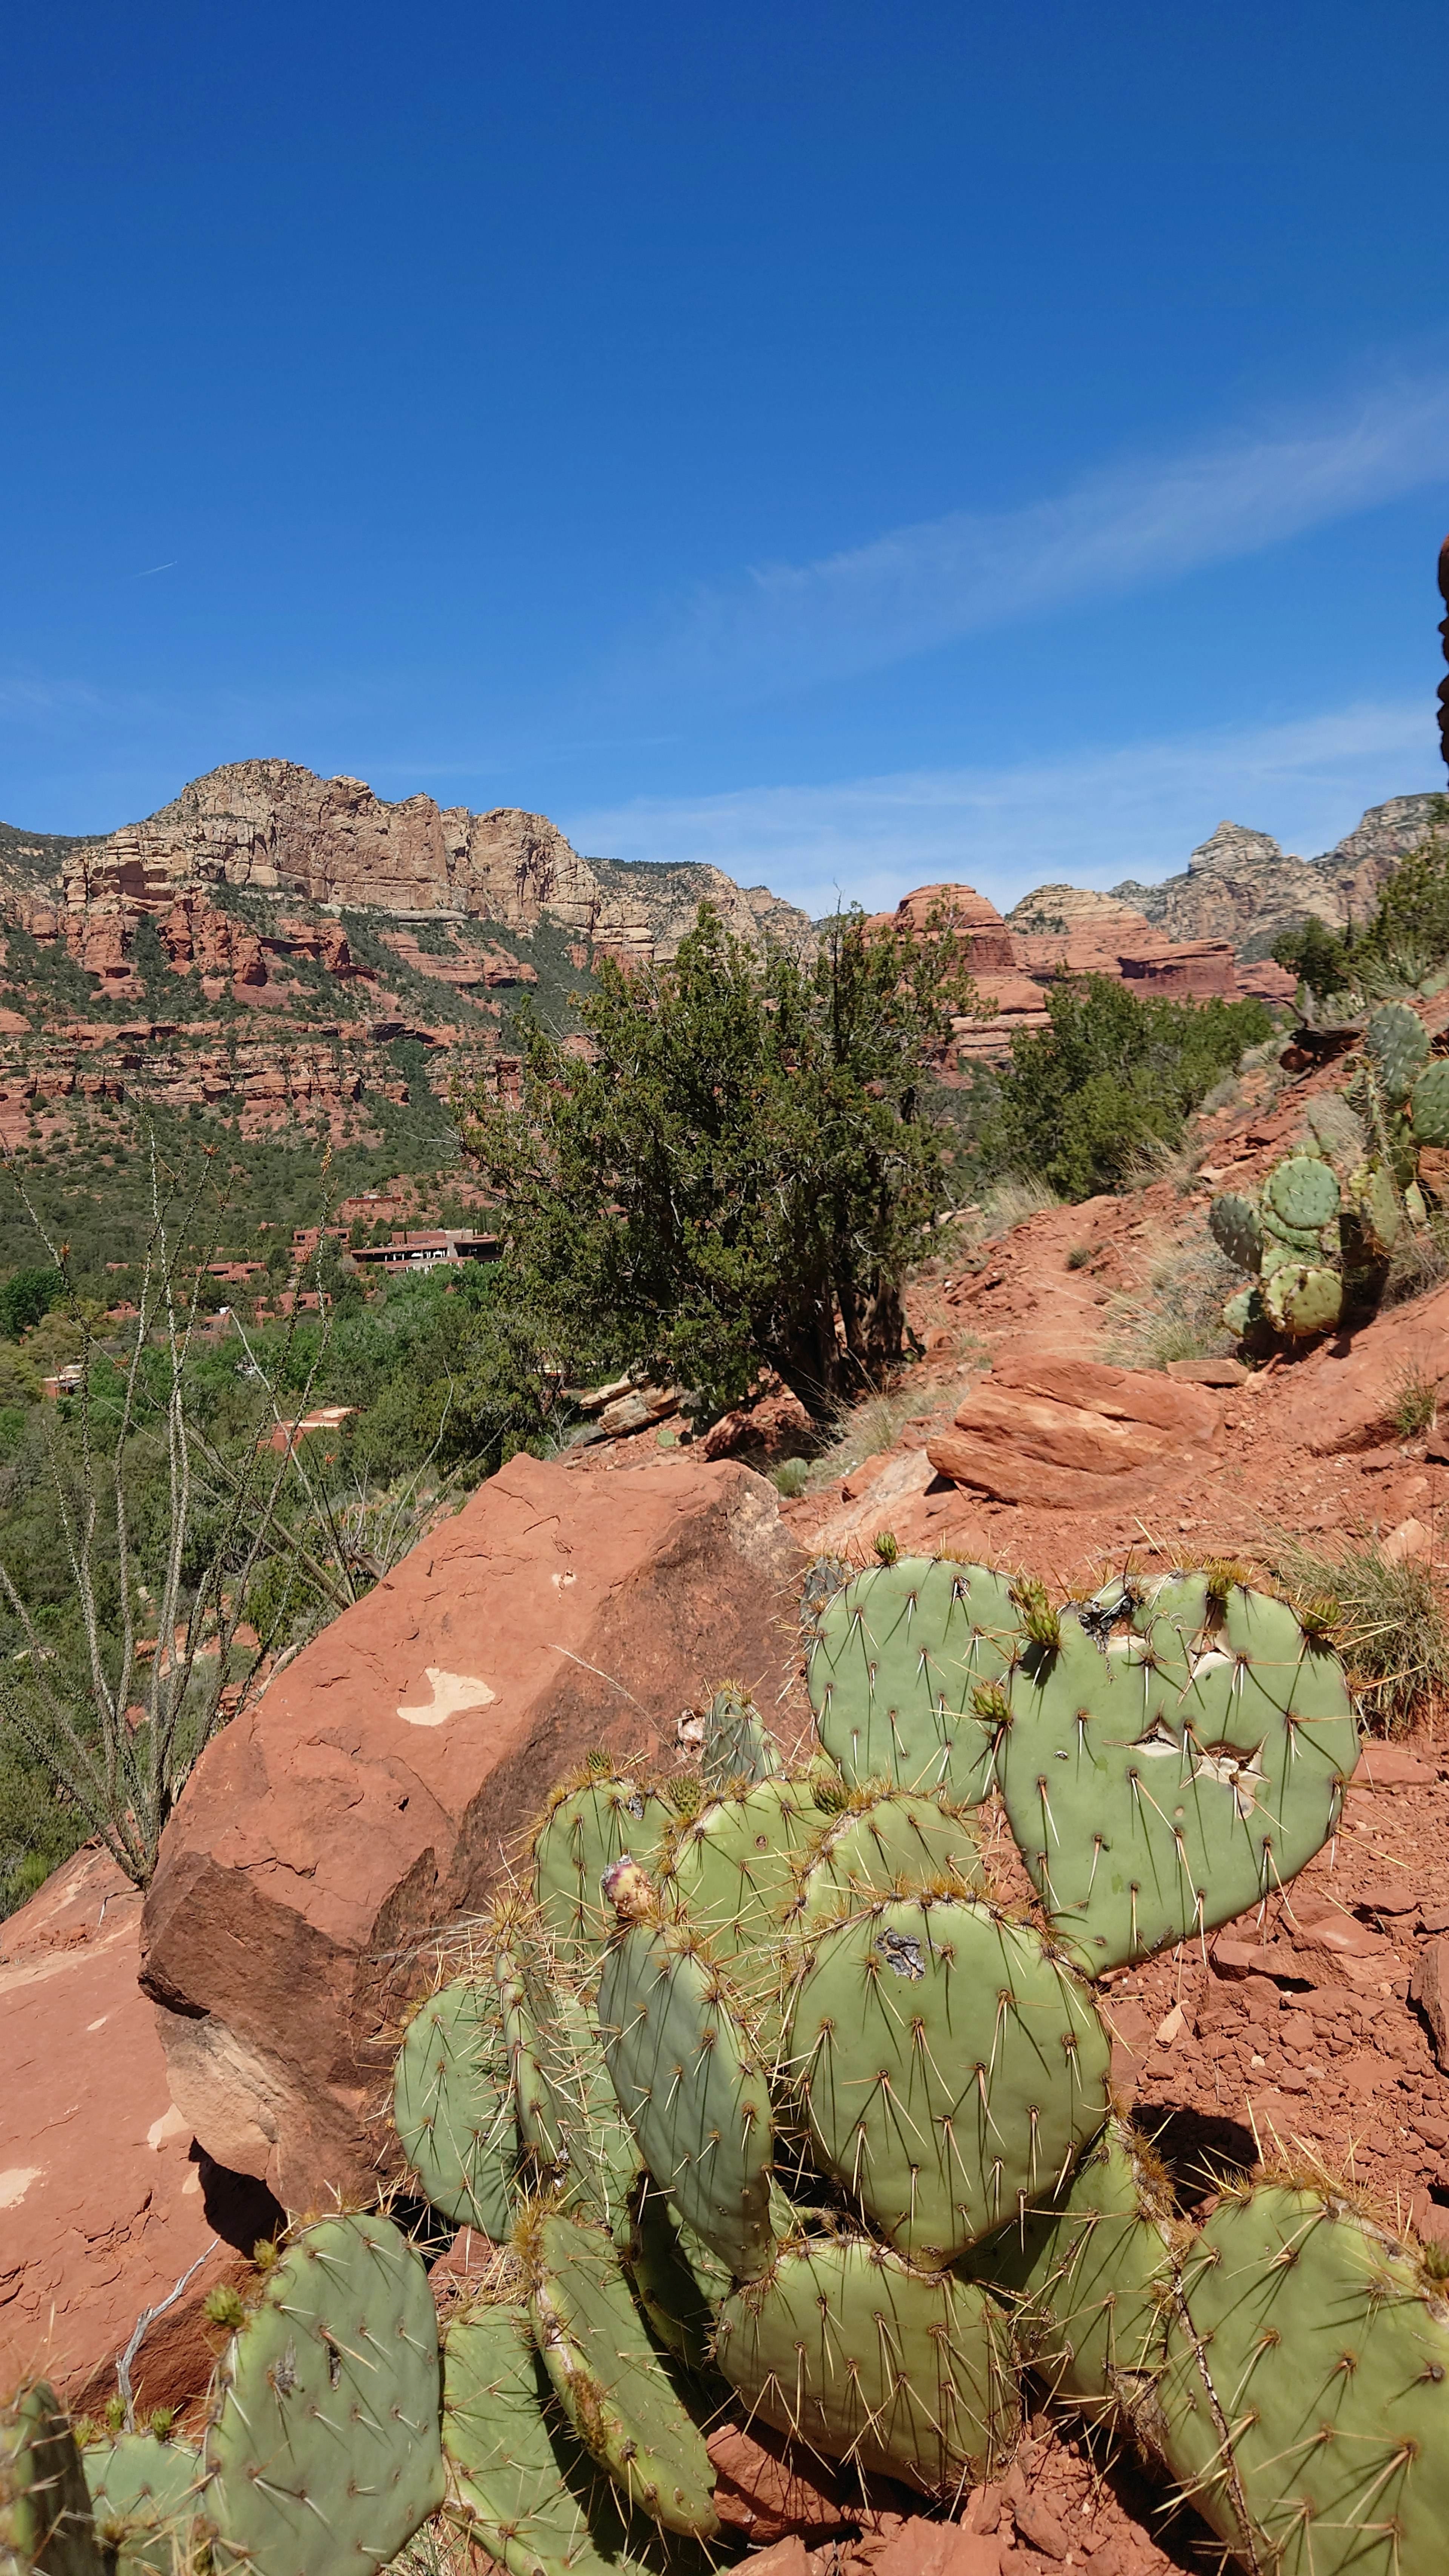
(1241, 886)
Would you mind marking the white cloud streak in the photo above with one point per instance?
(1092, 819)
(1120, 530)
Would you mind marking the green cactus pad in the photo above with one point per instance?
(1245, 1310)
(521, 2479)
(847, 2348)
(677, 2280)
(568, 2118)
(1303, 1301)
(1416, 1206)
(1236, 1229)
(1396, 1046)
(1305, 2404)
(885, 1840)
(145, 2495)
(1429, 1105)
(687, 2082)
(896, 1658)
(1370, 1224)
(607, 2376)
(1162, 1781)
(452, 2106)
(1303, 1192)
(45, 2504)
(949, 2067)
(731, 1869)
(585, 1831)
(323, 2452)
(736, 1746)
(1091, 2273)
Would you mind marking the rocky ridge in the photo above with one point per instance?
(1241, 886)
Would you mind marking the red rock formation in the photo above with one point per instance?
(375, 1790)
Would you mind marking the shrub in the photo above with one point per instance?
(26, 1297)
(1387, 1622)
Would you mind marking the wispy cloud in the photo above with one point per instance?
(1118, 530)
(1131, 811)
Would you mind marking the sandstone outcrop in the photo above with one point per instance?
(1072, 1433)
(104, 2203)
(1241, 886)
(381, 1787)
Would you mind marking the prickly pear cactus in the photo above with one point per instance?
(884, 1841)
(1302, 1193)
(688, 2082)
(452, 2106)
(1171, 1761)
(852, 2351)
(323, 2451)
(1237, 1229)
(736, 1747)
(1089, 2275)
(1305, 2401)
(1370, 1221)
(948, 2064)
(145, 2495)
(607, 2376)
(1396, 1046)
(1429, 1105)
(730, 1870)
(45, 2505)
(1303, 1300)
(895, 1661)
(589, 1825)
(522, 2482)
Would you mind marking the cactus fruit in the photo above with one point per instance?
(45, 2504)
(1237, 1229)
(730, 1870)
(1302, 1192)
(1091, 2273)
(1395, 1044)
(895, 1662)
(323, 2451)
(847, 2348)
(1305, 2402)
(587, 1828)
(1159, 1783)
(948, 2064)
(452, 2106)
(685, 2074)
(885, 1840)
(1302, 1300)
(736, 1746)
(607, 2376)
(145, 2495)
(521, 2479)
(1429, 1105)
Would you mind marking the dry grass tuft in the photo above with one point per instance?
(1175, 1312)
(1386, 1620)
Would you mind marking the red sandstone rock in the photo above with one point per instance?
(1343, 1392)
(765, 2492)
(1429, 1989)
(381, 1785)
(923, 2548)
(1389, 1766)
(103, 2205)
(1070, 1433)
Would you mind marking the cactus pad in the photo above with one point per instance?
(688, 2084)
(677, 2280)
(1303, 1192)
(45, 2505)
(1371, 1214)
(452, 2106)
(1306, 2398)
(1237, 1229)
(1396, 1047)
(949, 2067)
(1245, 1310)
(607, 2376)
(145, 2495)
(731, 1869)
(323, 2451)
(896, 1658)
(1160, 1782)
(585, 1831)
(884, 1840)
(1429, 1105)
(1091, 2272)
(847, 2348)
(1303, 1300)
(736, 1746)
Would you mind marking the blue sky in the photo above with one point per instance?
(858, 445)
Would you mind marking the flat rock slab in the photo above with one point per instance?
(1341, 1396)
(389, 1778)
(103, 2206)
(1073, 1433)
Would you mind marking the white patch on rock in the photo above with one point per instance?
(169, 2125)
(16, 2182)
(452, 1693)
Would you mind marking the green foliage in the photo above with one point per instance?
(1111, 1077)
(26, 1296)
(1319, 959)
(735, 1175)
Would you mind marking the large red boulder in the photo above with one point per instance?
(385, 1783)
(1072, 1433)
(105, 2204)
